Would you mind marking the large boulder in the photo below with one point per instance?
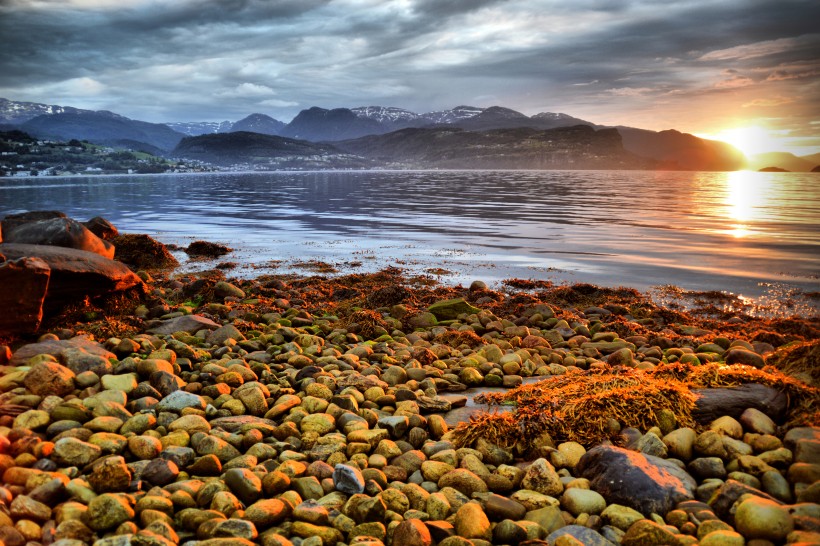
(75, 274)
(102, 228)
(23, 306)
(62, 232)
(643, 482)
(11, 221)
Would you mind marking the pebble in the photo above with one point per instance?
(285, 424)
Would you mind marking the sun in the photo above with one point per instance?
(751, 140)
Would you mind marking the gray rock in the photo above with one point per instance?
(647, 484)
(179, 400)
(224, 333)
(584, 535)
(185, 323)
(348, 479)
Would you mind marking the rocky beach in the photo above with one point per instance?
(141, 406)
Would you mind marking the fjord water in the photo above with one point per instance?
(738, 232)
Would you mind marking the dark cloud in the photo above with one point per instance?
(619, 60)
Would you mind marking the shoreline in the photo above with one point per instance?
(297, 410)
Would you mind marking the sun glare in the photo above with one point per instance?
(751, 140)
(744, 201)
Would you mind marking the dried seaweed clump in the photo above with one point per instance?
(455, 338)
(365, 322)
(804, 399)
(142, 252)
(799, 359)
(578, 406)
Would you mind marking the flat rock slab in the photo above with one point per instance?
(75, 274)
(185, 323)
(56, 348)
(62, 232)
(733, 401)
(237, 422)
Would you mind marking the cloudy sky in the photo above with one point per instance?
(700, 66)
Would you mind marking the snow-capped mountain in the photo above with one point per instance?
(385, 114)
(196, 128)
(459, 113)
(16, 112)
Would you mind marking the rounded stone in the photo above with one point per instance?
(49, 378)
(757, 517)
(579, 501)
(144, 447)
(727, 425)
(754, 420)
(464, 481)
(722, 538)
(107, 511)
(471, 522)
(541, 476)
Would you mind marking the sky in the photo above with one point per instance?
(746, 71)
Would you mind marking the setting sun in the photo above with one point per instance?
(751, 140)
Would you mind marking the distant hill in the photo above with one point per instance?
(318, 124)
(578, 147)
(813, 158)
(267, 151)
(782, 160)
(681, 151)
(258, 123)
(101, 128)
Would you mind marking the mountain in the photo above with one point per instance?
(681, 151)
(495, 117)
(317, 124)
(449, 117)
(102, 128)
(578, 147)
(258, 123)
(265, 151)
(16, 112)
(388, 117)
(813, 158)
(783, 160)
(550, 120)
(196, 128)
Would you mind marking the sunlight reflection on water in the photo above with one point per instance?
(702, 231)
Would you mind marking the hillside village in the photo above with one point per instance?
(22, 155)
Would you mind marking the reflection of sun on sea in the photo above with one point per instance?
(744, 201)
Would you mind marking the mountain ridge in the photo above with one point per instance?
(670, 149)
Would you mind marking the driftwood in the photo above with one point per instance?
(712, 403)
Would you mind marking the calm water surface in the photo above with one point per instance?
(741, 232)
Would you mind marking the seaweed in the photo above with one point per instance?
(581, 405)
